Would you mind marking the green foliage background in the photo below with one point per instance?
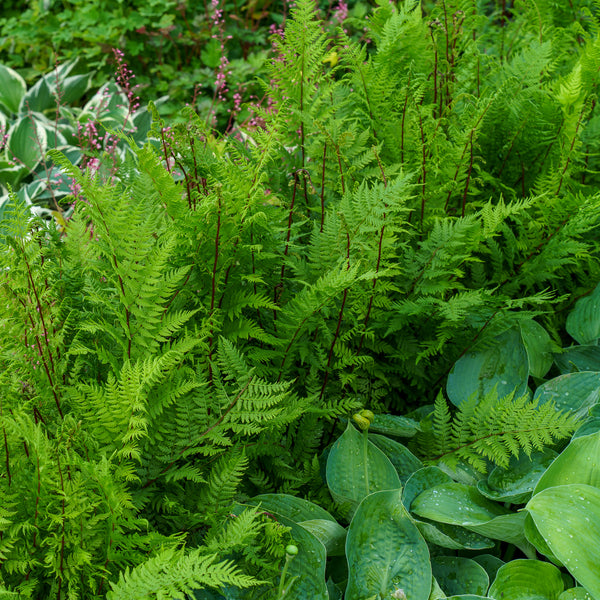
(202, 328)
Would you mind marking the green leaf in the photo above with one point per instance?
(579, 462)
(73, 88)
(457, 504)
(394, 425)
(421, 480)
(211, 53)
(575, 593)
(457, 575)
(357, 468)
(578, 358)
(292, 507)
(568, 517)
(501, 363)
(515, 483)
(452, 537)
(527, 580)
(386, 552)
(404, 461)
(490, 563)
(535, 538)
(27, 142)
(329, 533)
(38, 98)
(539, 347)
(306, 571)
(573, 392)
(12, 89)
(583, 322)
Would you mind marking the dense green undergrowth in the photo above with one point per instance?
(331, 354)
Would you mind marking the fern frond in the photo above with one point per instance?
(493, 429)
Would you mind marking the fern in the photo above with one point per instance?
(492, 429)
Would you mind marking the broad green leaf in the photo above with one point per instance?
(441, 534)
(452, 537)
(457, 575)
(573, 392)
(307, 569)
(583, 322)
(578, 358)
(329, 533)
(501, 364)
(579, 462)
(436, 591)
(539, 347)
(404, 461)
(73, 88)
(575, 593)
(457, 504)
(357, 468)
(421, 480)
(27, 142)
(527, 580)
(386, 552)
(490, 563)
(589, 426)
(515, 483)
(394, 425)
(293, 507)
(535, 538)
(12, 89)
(568, 517)
(38, 98)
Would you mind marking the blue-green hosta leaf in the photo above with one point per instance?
(575, 593)
(583, 322)
(441, 534)
(394, 425)
(457, 575)
(539, 347)
(293, 507)
(329, 533)
(515, 483)
(490, 563)
(502, 364)
(306, 571)
(27, 142)
(568, 517)
(387, 557)
(459, 504)
(421, 480)
(579, 462)
(535, 538)
(578, 358)
(573, 392)
(12, 89)
(357, 468)
(527, 580)
(404, 461)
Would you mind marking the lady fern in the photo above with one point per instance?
(492, 429)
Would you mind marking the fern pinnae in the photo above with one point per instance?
(493, 429)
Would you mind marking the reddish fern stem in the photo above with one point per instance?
(323, 186)
(339, 322)
(279, 287)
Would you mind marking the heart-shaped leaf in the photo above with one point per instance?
(527, 580)
(457, 575)
(583, 322)
(386, 553)
(356, 468)
(568, 517)
(501, 364)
